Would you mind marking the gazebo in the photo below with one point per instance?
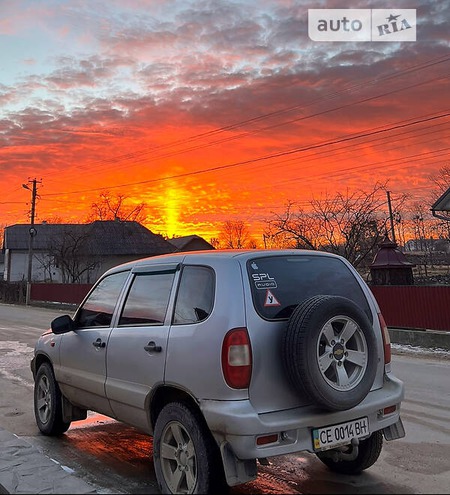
(390, 266)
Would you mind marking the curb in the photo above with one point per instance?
(24, 469)
(433, 339)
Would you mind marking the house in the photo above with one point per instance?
(427, 245)
(190, 243)
(77, 253)
(441, 207)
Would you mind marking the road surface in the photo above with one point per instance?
(115, 458)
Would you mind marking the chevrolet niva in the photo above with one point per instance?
(227, 358)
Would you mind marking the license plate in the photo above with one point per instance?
(341, 434)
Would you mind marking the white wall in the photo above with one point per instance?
(16, 266)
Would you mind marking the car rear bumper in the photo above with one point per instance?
(238, 424)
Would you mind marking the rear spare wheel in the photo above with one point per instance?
(330, 351)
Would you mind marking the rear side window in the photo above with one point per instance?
(280, 283)
(98, 308)
(147, 299)
(195, 296)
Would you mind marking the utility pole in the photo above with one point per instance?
(32, 232)
(391, 216)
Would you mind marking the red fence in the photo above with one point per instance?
(426, 307)
(63, 293)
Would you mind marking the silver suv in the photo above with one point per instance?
(227, 358)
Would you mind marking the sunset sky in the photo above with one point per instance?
(209, 111)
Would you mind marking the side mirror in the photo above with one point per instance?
(62, 324)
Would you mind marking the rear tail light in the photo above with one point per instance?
(237, 358)
(386, 339)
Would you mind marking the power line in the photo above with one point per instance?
(193, 138)
(351, 137)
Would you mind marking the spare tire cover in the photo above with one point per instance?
(330, 352)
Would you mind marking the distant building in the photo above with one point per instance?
(441, 208)
(427, 245)
(190, 243)
(77, 253)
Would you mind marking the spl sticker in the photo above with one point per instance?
(264, 281)
(271, 300)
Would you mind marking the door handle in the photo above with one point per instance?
(152, 347)
(98, 343)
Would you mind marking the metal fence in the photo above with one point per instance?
(63, 293)
(423, 307)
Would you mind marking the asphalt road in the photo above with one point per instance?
(114, 458)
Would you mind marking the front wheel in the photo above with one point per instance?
(368, 452)
(186, 457)
(47, 403)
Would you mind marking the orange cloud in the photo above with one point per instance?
(213, 115)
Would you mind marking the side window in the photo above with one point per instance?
(147, 300)
(98, 308)
(195, 296)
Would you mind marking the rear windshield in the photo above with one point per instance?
(280, 283)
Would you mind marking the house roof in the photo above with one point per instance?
(181, 242)
(98, 238)
(442, 204)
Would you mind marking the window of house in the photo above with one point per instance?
(195, 296)
(98, 308)
(148, 298)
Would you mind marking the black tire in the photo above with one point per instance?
(186, 457)
(330, 352)
(368, 452)
(47, 403)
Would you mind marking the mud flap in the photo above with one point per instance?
(237, 471)
(394, 431)
(72, 413)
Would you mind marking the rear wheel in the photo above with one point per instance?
(368, 452)
(186, 457)
(47, 403)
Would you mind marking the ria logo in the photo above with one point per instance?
(398, 26)
(362, 24)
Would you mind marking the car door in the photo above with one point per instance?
(137, 345)
(82, 371)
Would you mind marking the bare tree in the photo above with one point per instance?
(292, 229)
(70, 253)
(54, 219)
(47, 263)
(235, 235)
(350, 224)
(214, 241)
(441, 180)
(115, 207)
